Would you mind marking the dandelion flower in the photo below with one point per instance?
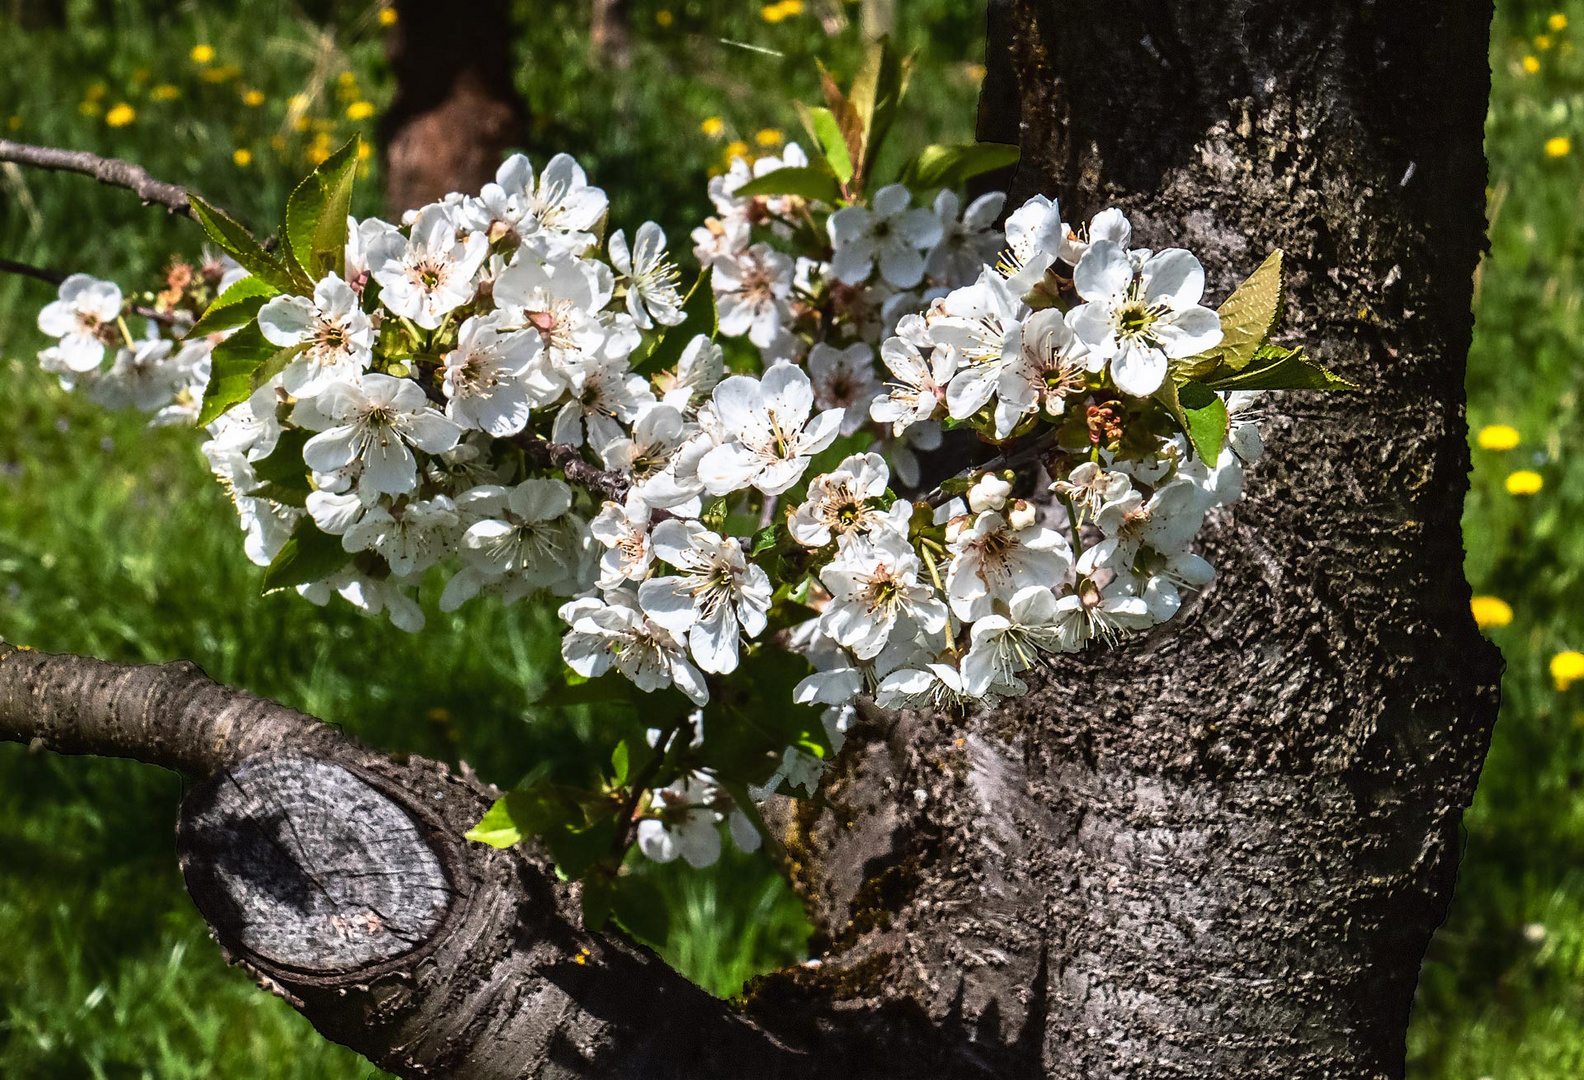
(1490, 612)
(165, 92)
(253, 98)
(1567, 668)
(712, 126)
(1524, 482)
(120, 115)
(360, 110)
(1558, 146)
(736, 149)
(1498, 437)
(1531, 64)
(242, 156)
(202, 54)
(387, 16)
(768, 137)
(1557, 22)
(664, 18)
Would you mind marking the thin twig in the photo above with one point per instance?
(569, 459)
(55, 277)
(1030, 451)
(111, 171)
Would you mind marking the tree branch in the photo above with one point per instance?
(55, 277)
(569, 459)
(111, 171)
(170, 715)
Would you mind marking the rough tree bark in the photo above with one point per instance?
(1219, 850)
(457, 110)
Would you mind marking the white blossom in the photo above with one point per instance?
(984, 323)
(338, 336)
(555, 213)
(1050, 369)
(699, 368)
(1091, 613)
(82, 317)
(525, 536)
(1007, 644)
(844, 379)
(612, 630)
(378, 423)
(435, 273)
(410, 536)
(716, 596)
(623, 529)
(874, 583)
(686, 826)
(920, 373)
(753, 292)
(603, 395)
(494, 377)
(991, 561)
(847, 500)
(891, 232)
(650, 277)
(966, 244)
(1140, 320)
(772, 436)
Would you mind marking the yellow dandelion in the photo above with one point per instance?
(1490, 612)
(165, 92)
(242, 156)
(1542, 42)
(317, 154)
(302, 123)
(1558, 146)
(360, 110)
(712, 126)
(1498, 437)
(1557, 22)
(664, 18)
(364, 151)
(1567, 668)
(792, 7)
(202, 54)
(735, 149)
(786, 9)
(1524, 482)
(253, 98)
(1531, 64)
(387, 16)
(120, 115)
(223, 73)
(768, 137)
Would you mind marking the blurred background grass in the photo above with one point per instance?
(115, 542)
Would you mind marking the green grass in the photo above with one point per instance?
(115, 542)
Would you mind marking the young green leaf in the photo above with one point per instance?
(1206, 420)
(641, 908)
(802, 180)
(316, 215)
(827, 135)
(1248, 317)
(308, 556)
(1275, 368)
(942, 166)
(876, 95)
(231, 371)
(240, 245)
(497, 828)
(235, 307)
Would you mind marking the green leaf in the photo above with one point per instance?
(621, 763)
(1275, 368)
(942, 166)
(240, 245)
(1248, 317)
(498, 828)
(641, 908)
(1206, 417)
(802, 180)
(231, 371)
(764, 540)
(310, 555)
(827, 135)
(316, 214)
(875, 97)
(698, 317)
(235, 307)
(285, 463)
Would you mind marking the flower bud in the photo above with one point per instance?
(988, 493)
(1021, 516)
(955, 526)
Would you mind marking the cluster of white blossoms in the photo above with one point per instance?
(96, 352)
(497, 388)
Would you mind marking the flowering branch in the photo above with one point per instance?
(111, 171)
(56, 277)
(569, 459)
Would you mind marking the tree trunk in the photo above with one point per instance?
(610, 36)
(457, 111)
(1219, 850)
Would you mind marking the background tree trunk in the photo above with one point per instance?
(1221, 849)
(457, 111)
